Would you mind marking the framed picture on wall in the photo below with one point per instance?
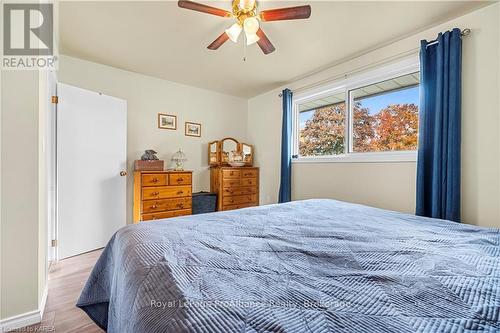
(167, 121)
(193, 129)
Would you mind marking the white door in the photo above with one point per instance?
(91, 158)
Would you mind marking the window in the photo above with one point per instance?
(385, 115)
(360, 118)
(322, 126)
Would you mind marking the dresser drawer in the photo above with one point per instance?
(248, 181)
(231, 182)
(227, 173)
(232, 207)
(154, 180)
(150, 206)
(165, 192)
(250, 173)
(179, 179)
(164, 215)
(239, 190)
(239, 199)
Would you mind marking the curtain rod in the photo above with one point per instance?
(465, 32)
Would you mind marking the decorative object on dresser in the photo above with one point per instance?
(149, 161)
(236, 187)
(167, 121)
(162, 194)
(179, 158)
(236, 159)
(219, 152)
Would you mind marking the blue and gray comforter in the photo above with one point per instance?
(307, 266)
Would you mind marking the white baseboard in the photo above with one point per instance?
(44, 300)
(25, 319)
(19, 321)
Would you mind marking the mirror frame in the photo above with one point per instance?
(221, 158)
(248, 162)
(210, 153)
(224, 157)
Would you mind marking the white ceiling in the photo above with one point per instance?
(161, 40)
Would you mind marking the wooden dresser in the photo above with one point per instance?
(235, 187)
(162, 194)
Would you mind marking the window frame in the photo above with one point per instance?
(347, 85)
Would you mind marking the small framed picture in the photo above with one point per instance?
(193, 129)
(167, 121)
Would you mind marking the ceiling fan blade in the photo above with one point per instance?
(289, 13)
(265, 44)
(203, 8)
(218, 42)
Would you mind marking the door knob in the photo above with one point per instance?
(123, 173)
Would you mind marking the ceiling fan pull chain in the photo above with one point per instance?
(244, 47)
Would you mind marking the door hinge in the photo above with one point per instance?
(55, 99)
(54, 242)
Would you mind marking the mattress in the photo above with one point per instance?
(304, 266)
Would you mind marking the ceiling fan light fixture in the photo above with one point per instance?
(234, 32)
(251, 38)
(247, 16)
(251, 25)
(246, 5)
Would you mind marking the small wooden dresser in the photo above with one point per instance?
(162, 194)
(235, 187)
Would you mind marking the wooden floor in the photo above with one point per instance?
(66, 280)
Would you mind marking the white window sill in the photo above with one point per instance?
(378, 157)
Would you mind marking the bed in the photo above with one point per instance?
(305, 266)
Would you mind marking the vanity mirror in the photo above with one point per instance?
(229, 150)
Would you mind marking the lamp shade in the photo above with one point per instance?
(179, 158)
(234, 32)
(247, 5)
(251, 38)
(251, 25)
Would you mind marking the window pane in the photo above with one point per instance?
(385, 115)
(322, 126)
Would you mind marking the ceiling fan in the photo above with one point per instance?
(247, 19)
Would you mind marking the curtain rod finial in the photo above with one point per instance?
(466, 32)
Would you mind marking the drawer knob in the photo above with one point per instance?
(155, 193)
(180, 179)
(180, 192)
(155, 180)
(154, 207)
(180, 205)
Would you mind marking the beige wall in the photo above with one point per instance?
(392, 185)
(19, 193)
(220, 115)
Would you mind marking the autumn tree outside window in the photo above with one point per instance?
(380, 117)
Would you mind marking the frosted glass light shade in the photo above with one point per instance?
(251, 38)
(234, 32)
(251, 25)
(246, 4)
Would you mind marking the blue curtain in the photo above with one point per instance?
(438, 166)
(285, 194)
